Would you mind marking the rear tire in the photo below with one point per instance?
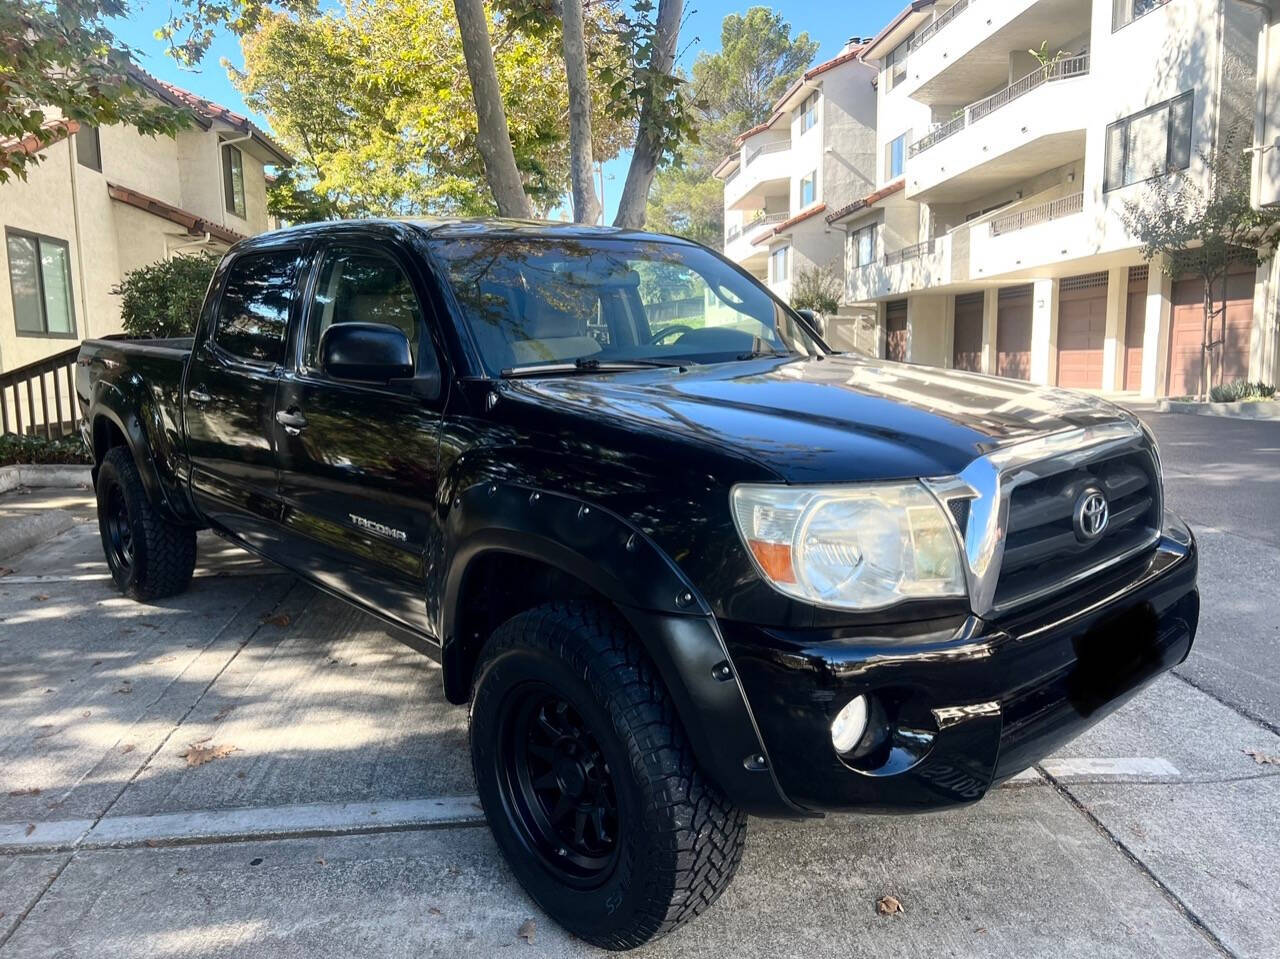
(149, 557)
(589, 783)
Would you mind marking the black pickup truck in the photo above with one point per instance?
(684, 561)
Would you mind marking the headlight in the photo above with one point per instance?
(850, 547)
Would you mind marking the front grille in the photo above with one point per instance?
(1042, 549)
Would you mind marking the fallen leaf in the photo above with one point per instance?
(320, 861)
(87, 713)
(527, 930)
(40, 597)
(128, 748)
(31, 827)
(889, 906)
(223, 713)
(1261, 758)
(33, 791)
(4, 571)
(435, 911)
(97, 662)
(279, 619)
(126, 689)
(198, 754)
(49, 731)
(152, 843)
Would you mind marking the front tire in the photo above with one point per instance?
(589, 783)
(149, 557)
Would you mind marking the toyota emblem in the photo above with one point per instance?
(1091, 514)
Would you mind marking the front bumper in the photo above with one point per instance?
(961, 706)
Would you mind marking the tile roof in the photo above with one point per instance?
(871, 199)
(195, 224)
(785, 225)
(51, 131)
(852, 53)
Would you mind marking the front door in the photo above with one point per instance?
(358, 461)
(230, 391)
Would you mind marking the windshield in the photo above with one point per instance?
(545, 301)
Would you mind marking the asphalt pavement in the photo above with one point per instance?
(253, 769)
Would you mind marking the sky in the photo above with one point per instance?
(701, 31)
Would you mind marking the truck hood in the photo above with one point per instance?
(837, 419)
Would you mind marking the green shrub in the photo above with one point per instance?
(37, 449)
(163, 299)
(1240, 390)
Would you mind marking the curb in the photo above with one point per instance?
(55, 476)
(23, 532)
(1238, 411)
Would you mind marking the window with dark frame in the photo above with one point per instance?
(809, 112)
(1149, 144)
(863, 244)
(1124, 12)
(40, 283)
(253, 312)
(233, 180)
(89, 148)
(896, 62)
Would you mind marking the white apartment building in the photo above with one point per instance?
(103, 201)
(994, 238)
(1266, 155)
(814, 151)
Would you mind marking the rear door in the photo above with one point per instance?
(230, 391)
(358, 462)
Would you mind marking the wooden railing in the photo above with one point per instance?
(40, 398)
(1040, 213)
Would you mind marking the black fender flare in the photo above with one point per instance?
(140, 426)
(666, 612)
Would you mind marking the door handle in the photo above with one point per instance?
(292, 421)
(198, 396)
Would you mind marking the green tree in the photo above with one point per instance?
(819, 288)
(381, 126)
(1202, 227)
(735, 89)
(164, 298)
(59, 61)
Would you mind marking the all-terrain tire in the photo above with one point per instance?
(678, 839)
(149, 557)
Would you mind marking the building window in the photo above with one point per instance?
(1149, 144)
(233, 180)
(779, 264)
(1124, 12)
(40, 280)
(89, 148)
(895, 64)
(809, 112)
(895, 157)
(809, 189)
(863, 244)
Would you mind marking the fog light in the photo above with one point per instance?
(849, 725)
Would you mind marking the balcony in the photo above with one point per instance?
(966, 51)
(765, 171)
(1022, 130)
(1031, 236)
(899, 272)
(739, 241)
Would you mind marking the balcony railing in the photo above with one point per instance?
(931, 29)
(40, 398)
(914, 252)
(1063, 69)
(732, 233)
(776, 146)
(746, 229)
(1041, 213)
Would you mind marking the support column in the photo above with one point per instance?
(1113, 344)
(1044, 330)
(882, 329)
(990, 312)
(1155, 333)
(926, 329)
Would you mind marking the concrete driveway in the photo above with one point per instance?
(253, 769)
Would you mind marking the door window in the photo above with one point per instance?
(253, 314)
(362, 286)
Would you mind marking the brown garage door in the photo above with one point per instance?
(1013, 333)
(968, 333)
(1135, 324)
(1187, 332)
(1082, 330)
(895, 341)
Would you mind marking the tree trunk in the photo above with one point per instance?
(648, 149)
(586, 205)
(493, 139)
(1206, 337)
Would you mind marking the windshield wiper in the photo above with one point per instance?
(757, 354)
(588, 364)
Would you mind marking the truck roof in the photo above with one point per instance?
(462, 227)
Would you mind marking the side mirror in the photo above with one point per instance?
(368, 352)
(815, 322)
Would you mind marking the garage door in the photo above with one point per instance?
(1082, 330)
(1135, 324)
(1013, 333)
(968, 333)
(895, 341)
(1187, 332)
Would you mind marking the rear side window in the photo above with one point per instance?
(253, 315)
